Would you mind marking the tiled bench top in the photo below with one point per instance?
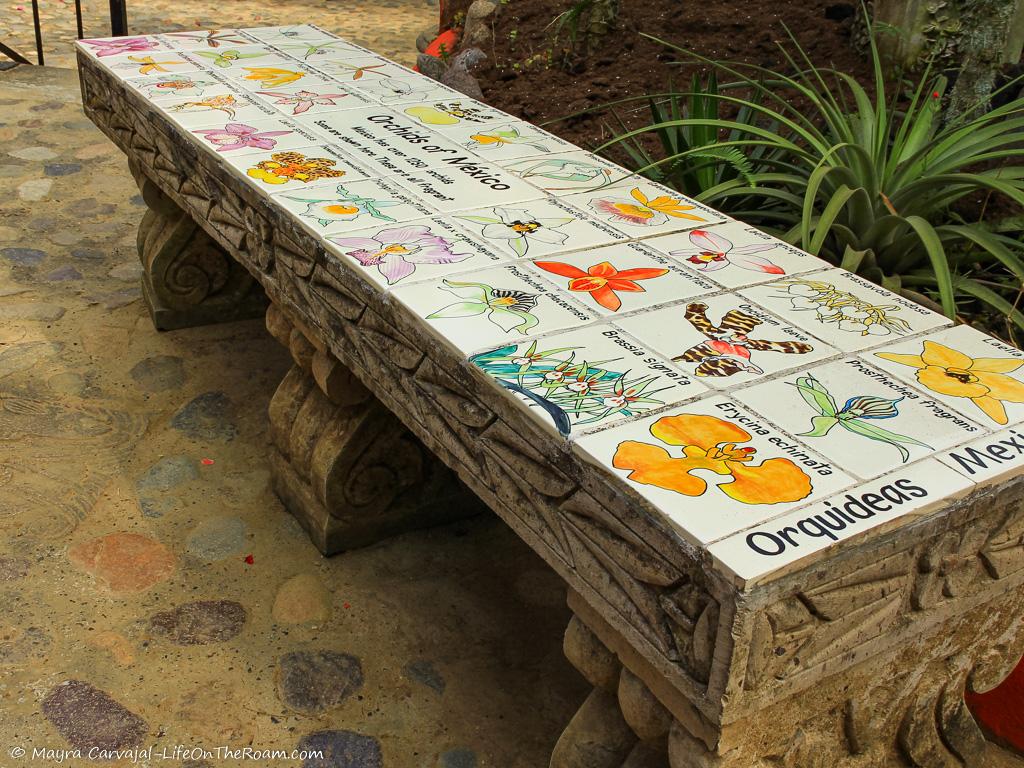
(768, 404)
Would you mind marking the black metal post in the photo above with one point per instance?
(38, 30)
(78, 18)
(118, 18)
(13, 54)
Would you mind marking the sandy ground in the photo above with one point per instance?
(144, 556)
(386, 26)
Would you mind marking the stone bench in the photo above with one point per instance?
(786, 502)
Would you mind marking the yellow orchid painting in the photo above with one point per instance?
(982, 380)
(642, 210)
(710, 443)
(272, 77)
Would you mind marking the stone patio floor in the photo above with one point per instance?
(143, 554)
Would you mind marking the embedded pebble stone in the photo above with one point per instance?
(423, 671)
(216, 538)
(121, 298)
(124, 562)
(87, 253)
(206, 417)
(18, 646)
(12, 568)
(129, 272)
(65, 237)
(457, 758)
(341, 749)
(200, 622)
(155, 507)
(34, 190)
(89, 718)
(89, 206)
(159, 373)
(31, 311)
(61, 169)
(316, 681)
(167, 473)
(25, 257)
(302, 599)
(63, 274)
(92, 151)
(33, 153)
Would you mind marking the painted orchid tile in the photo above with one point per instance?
(139, 45)
(205, 39)
(808, 534)
(505, 139)
(391, 254)
(644, 208)
(314, 50)
(858, 416)
(348, 206)
(360, 67)
(405, 90)
(218, 59)
(159, 88)
(491, 307)
(294, 101)
(256, 77)
(154, 63)
(713, 467)
(243, 138)
(736, 255)
(535, 228)
(586, 379)
(618, 279)
(566, 173)
(724, 340)
(451, 117)
(216, 106)
(962, 369)
(847, 311)
(289, 33)
(312, 166)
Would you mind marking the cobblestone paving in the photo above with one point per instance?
(154, 591)
(386, 26)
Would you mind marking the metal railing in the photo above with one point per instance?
(118, 28)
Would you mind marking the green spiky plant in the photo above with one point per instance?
(867, 181)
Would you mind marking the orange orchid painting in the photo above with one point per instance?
(712, 444)
(602, 280)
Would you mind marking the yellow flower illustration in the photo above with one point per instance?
(283, 167)
(148, 65)
(953, 373)
(710, 443)
(271, 77)
(643, 211)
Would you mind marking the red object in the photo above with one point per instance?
(249, 559)
(207, 462)
(449, 39)
(1001, 710)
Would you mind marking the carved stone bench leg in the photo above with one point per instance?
(187, 278)
(343, 464)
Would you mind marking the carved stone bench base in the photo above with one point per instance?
(187, 278)
(343, 464)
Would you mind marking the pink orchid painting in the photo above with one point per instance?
(240, 136)
(396, 252)
(717, 252)
(118, 45)
(303, 101)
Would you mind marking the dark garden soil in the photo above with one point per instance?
(533, 78)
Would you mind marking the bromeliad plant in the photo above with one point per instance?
(867, 181)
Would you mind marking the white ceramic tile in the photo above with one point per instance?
(736, 255)
(535, 228)
(245, 138)
(169, 87)
(405, 90)
(290, 33)
(151, 63)
(643, 208)
(621, 278)
(296, 100)
(349, 206)
(847, 311)
(990, 459)
(857, 416)
(964, 370)
(567, 173)
(505, 139)
(712, 467)
(213, 107)
(114, 47)
(410, 252)
(586, 379)
(227, 58)
(312, 51)
(355, 68)
(725, 340)
(205, 39)
(296, 169)
(490, 307)
(815, 531)
(288, 74)
(451, 117)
